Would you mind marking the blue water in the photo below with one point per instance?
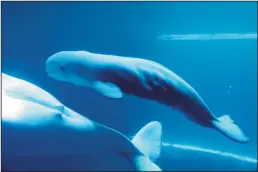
(222, 70)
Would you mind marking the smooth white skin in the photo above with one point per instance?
(88, 68)
(83, 68)
(35, 124)
(139, 77)
(30, 116)
(57, 64)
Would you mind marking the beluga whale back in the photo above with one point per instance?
(112, 76)
(35, 124)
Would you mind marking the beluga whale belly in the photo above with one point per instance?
(113, 76)
(36, 125)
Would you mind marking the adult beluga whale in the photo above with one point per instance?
(36, 125)
(112, 76)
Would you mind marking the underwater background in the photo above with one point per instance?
(212, 45)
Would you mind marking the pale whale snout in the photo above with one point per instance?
(55, 68)
(68, 66)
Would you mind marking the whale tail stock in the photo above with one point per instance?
(227, 127)
(148, 142)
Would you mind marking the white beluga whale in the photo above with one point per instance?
(112, 76)
(36, 125)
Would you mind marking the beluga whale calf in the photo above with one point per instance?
(113, 76)
(36, 126)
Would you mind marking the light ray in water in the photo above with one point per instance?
(205, 37)
(211, 151)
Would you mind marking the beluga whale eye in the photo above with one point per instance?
(62, 68)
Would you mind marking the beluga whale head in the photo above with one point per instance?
(71, 66)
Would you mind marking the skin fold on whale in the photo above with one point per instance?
(35, 124)
(112, 76)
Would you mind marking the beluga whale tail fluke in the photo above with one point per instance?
(148, 141)
(113, 77)
(227, 127)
